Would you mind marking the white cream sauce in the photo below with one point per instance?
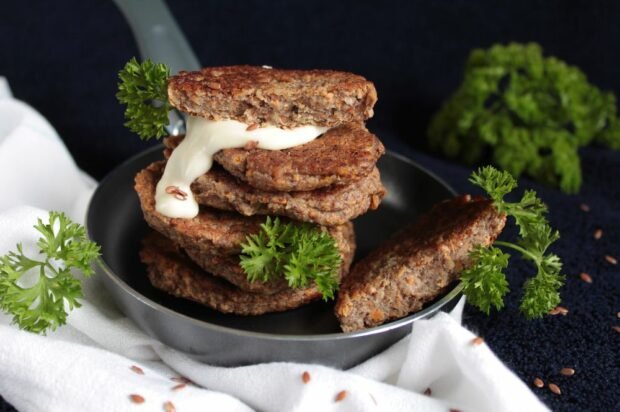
(194, 156)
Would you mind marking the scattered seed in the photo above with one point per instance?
(598, 233)
(180, 379)
(584, 207)
(428, 392)
(585, 277)
(477, 341)
(539, 383)
(305, 377)
(454, 410)
(618, 315)
(559, 310)
(341, 395)
(169, 407)
(555, 389)
(611, 259)
(176, 192)
(567, 371)
(179, 386)
(137, 369)
(616, 328)
(251, 127)
(135, 398)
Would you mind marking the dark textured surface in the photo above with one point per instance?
(62, 59)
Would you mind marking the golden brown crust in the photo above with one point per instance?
(171, 271)
(213, 238)
(417, 264)
(283, 98)
(341, 156)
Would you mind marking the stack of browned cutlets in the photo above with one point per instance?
(327, 181)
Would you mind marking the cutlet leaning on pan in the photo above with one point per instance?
(326, 181)
(417, 264)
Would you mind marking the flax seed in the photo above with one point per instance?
(585, 277)
(611, 259)
(598, 233)
(305, 377)
(179, 386)
(561, 310)
(616, 328)
(135, 398)
(169, 407)
(555, 389)
(539, 383)
(341, 395)
(251, 127)
(137, 369)
(477, 341)
(584, 207)
(567, 371)
(428, 392)
(180, 379)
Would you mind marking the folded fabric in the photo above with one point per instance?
(100, 358)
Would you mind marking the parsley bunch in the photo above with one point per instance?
(484, 283)
(532, 112)
(37, 291)
(143, 88)
(302, 253)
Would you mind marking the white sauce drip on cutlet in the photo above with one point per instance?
(194, 156)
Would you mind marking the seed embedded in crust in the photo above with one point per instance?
(341, 395)
(169, 407)
(305, 377)
(555, 389)
(584, 207)
(598, 233)
(137, 369)
(567, 371)
(539, 383)
(477, 341)
(611, 259)
(585, 277)
(135, 398)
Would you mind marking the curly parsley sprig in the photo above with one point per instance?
(38, 291)
(531, 113)
(143, 88)
(302, 253)
(484, 282)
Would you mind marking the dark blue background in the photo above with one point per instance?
(62, 58)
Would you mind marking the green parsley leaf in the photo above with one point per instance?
(143, 88)
(484, 282)
(38, 292)
(533, 112)
(301, 253)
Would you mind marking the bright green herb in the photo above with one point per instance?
(302, 253)
(143, 88)
(37, 291)
(530, 113)
(484, 283)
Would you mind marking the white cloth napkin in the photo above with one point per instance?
(86, 365)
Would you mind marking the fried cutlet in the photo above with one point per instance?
(227, 266)
(170, 270)
(341, 156)
(282, 98)
(417, 264)
(214, 237)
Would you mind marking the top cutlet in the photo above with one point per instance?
(283, 98)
